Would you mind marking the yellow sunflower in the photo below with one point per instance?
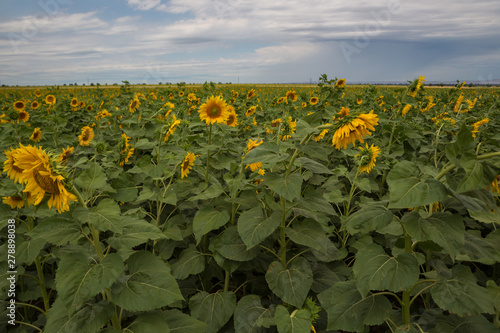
(214, 110)
(74, 102)
(415, 86)
(495, 185)
(321, 135)
(291, 95)
(477, 124)
(367, 158)
(172, 127)
(340, 83)
(251, 111)
(86, 136)
(50, 99)
(38, 93)
(14, 201)
(24, 116)
(313, 100)
(134, 104)
(355, 129)
(19, 105)
(35, 105)
(251, 93)
(36, 135)
(406, 109)
(40, 177)
(64, 157)
(187, 164)
(232, 119)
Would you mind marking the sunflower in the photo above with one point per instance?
(250, 111)
(24, 116)
(214, 110)
(355, 129)
(187, 164)
(321, 135)
(367, 158)
(90, 108)
(36, 135)
(251, 144)
(495, 185)
(251, 93)
(406, 109)
(172, 127)
(281, 100)
(50, 99)
(74, 102)
(291, 95)
(192, 97)
(13, 171)
(14, 201)
(134, 104)
(232, 119)
(38, 93)
(456, 108)
(181, 93)
(64, 157)
(40, 177)
(35, 105)
(415, 86)
(477, 124)
(86, 136)
(19, 105)
(340, 83)
(359, 101)
(313, 100)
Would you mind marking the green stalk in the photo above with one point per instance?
(41, 283)
(282, 233)
(208, 153)
(406, 293)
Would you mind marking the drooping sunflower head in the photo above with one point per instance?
(86, 136)
(291, 96)
(251, 110)
(354, 129)
(251, 93)
(251, 144)
(134, 104)
(415, 86)
(66, 153)
(214, 110)
(14, 201)
(50, 99)
(187, 164)
(232, 119)
(367, 158)
(36, 135)
(19, 105)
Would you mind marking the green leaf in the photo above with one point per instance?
(104, 217)
(470, 324)
(57, 230)
(375, 270)
(461, 294)
(266, 153)
(126, 190)
(28, 250)
(148, 322)
(230, 246)
(485, 216)
(309, 233)
(478, 249)
(148, 286)
(314, 201)
(297, 322)
(254, 227)
(214, 310)
(348, 310)
(367, 219)
(477, 176)
(190, 261)
(206, 220)
(212, 192)
(179, 322)
(248, 313)
(79, 278)
(93, 178)
(462, 148)
(287, 188)
(494, 291)
(292, 284)
(444, 229)
(313, 166)
(58, 320)
(407, 189)
(134, 232)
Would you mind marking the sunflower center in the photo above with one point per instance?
(86, 136)
(214, 111)
(45, 181)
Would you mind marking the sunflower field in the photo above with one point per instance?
(250, 208)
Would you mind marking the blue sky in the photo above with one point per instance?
(261, 41)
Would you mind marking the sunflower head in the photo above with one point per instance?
(24, 116)
(251, 93)
(35, 105)
(291, 96)
(313, 100)
(36, 135)
(214, 110)
(74, 102)
(86, 136)
(340, 83)
(367, 158)
(232, 119)
(19, 105)
(187, 164)
(50, 99)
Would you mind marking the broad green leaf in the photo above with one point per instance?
(309, 233)
(213, 309)
(485, 250)
(79, 278)
(407, 189)
(314, 201)
(348, 310)
(104, 217)
(297, 322)
(208, 219)
(179, 322)
(444, 229)
(135, 231)
(148, 286)
(485, 216)
(314, 166)
(494, 291)
(478, 175)
(287, 188)
(59, 321)
(290, 284)
(367, 219)
(126, 190)
(93, 178)
(266, 153)
(27, 250)
(375, 270)
(461, 294)
(462, 149)
(57, 230)
(248, 313)
(148, 322)
(213, 191)
(230, 246)
(469, 324)
(190, 261)
(254, 227)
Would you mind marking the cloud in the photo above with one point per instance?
(143, 4)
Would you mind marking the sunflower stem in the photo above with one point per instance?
(208, 153)
(283, 234)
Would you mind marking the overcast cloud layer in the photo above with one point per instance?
(259, 41)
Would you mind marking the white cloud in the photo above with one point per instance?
(143, 4)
